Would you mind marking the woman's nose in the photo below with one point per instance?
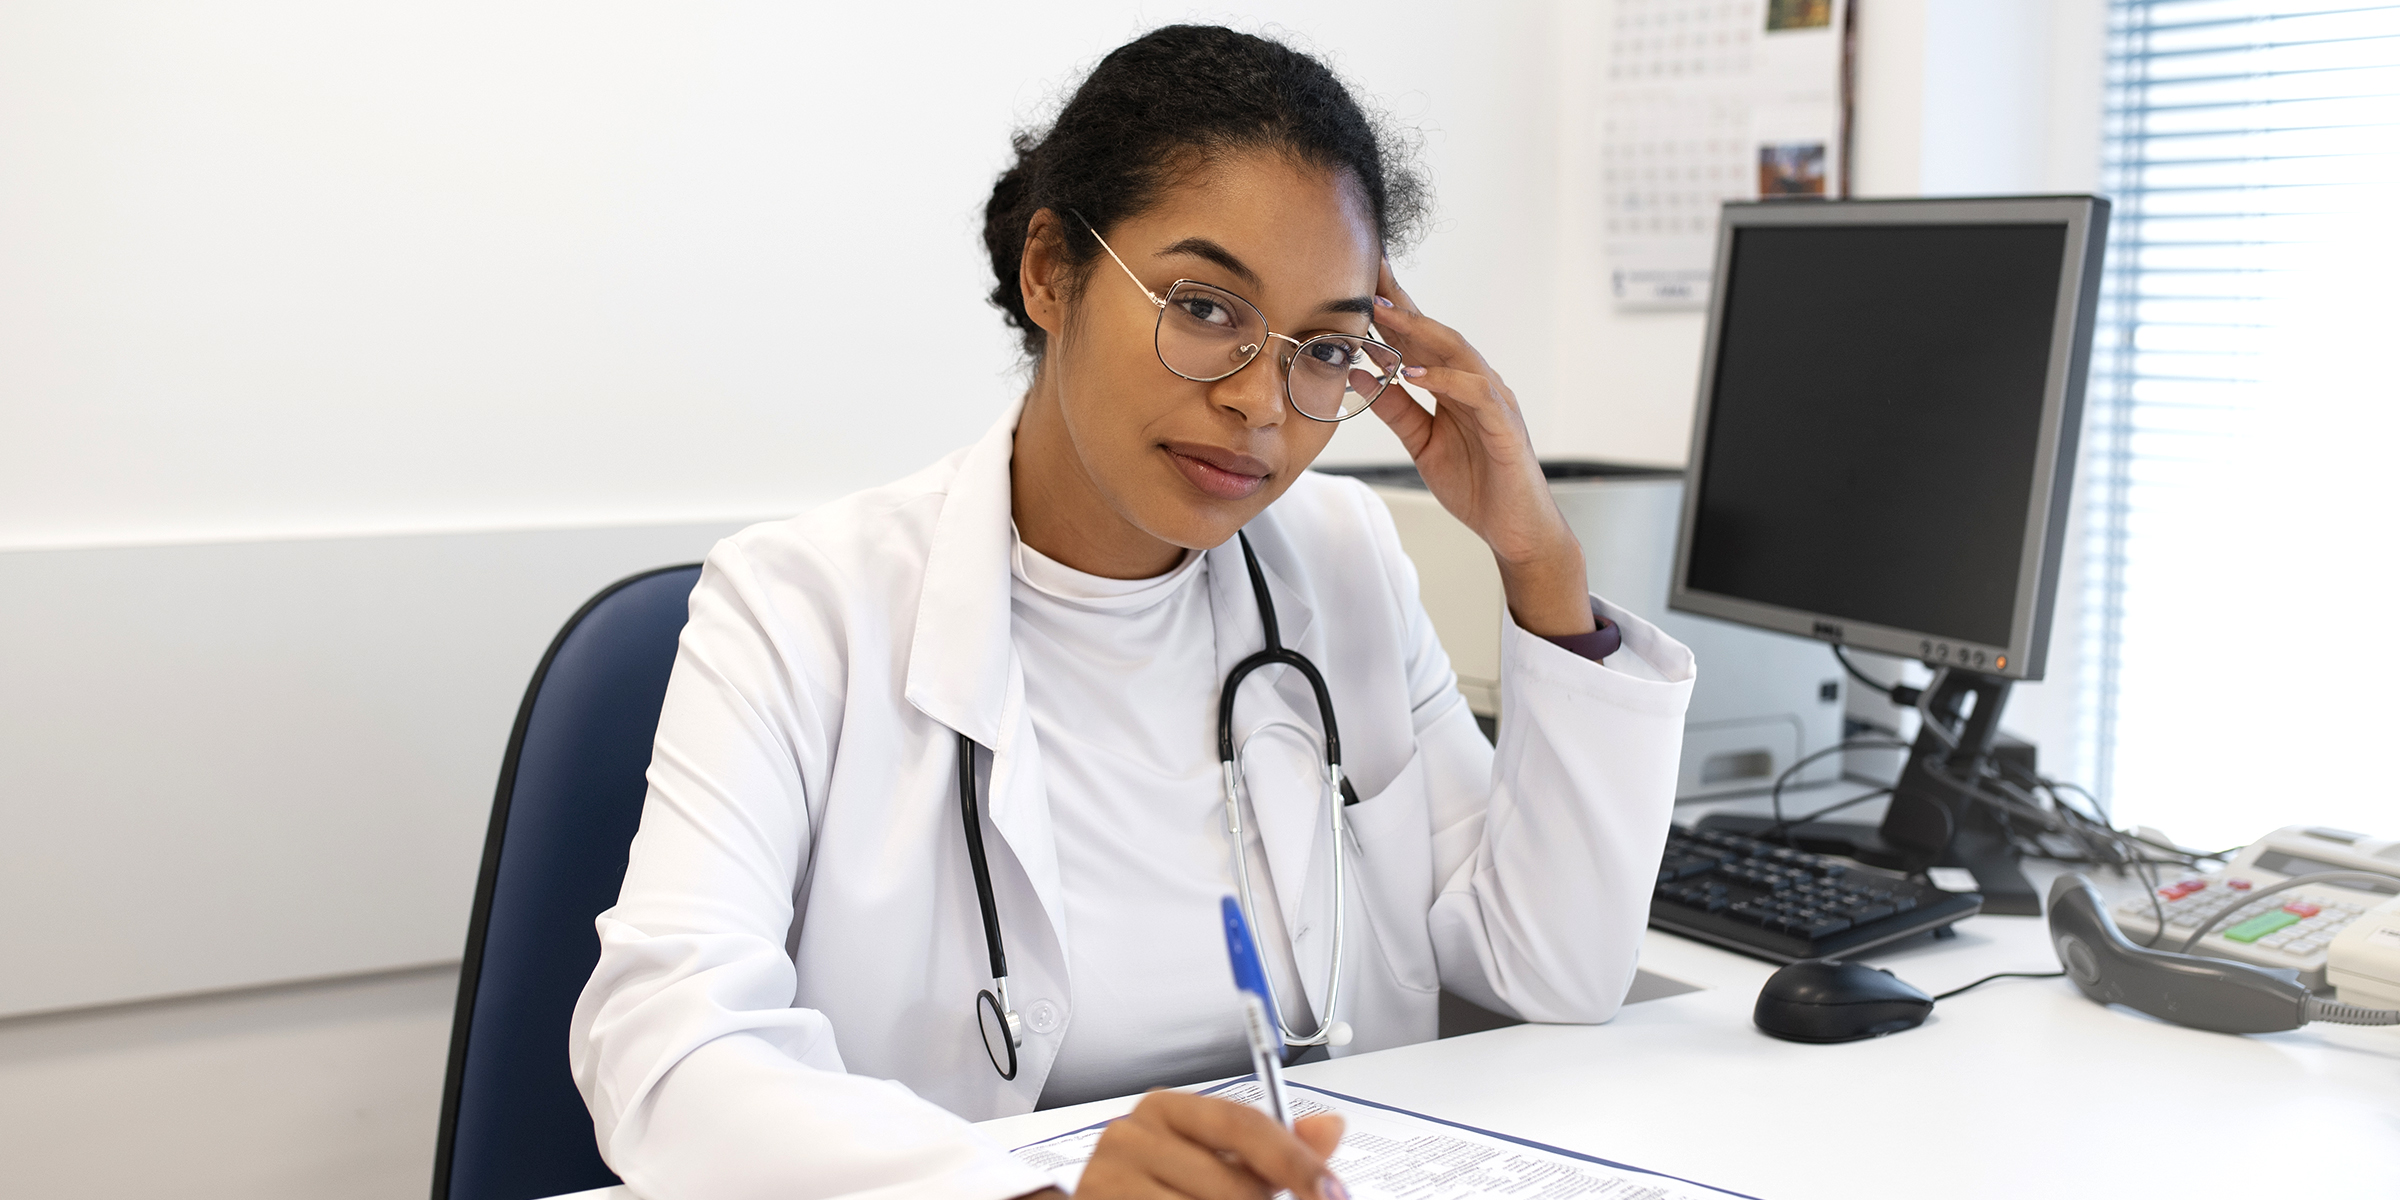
(1255, 393)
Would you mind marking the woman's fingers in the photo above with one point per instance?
(1421, 339)
(1408, 419)
(1269, 1150)
(1180, 1166)
(1474, 399)
(1208, 1149)
(1322, 1132)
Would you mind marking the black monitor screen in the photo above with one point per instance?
(1877, 409)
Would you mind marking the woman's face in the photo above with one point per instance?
(1143, 459)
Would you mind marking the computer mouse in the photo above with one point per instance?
(1827, 1000)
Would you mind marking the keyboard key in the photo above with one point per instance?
(2260, 926)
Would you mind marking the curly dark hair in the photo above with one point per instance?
(1170, 102)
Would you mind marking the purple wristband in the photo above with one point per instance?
(1596, 645)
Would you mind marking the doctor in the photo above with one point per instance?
(790, 1000)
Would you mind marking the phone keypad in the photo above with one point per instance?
(2294, 925)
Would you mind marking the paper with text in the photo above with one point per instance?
(1389, 1154)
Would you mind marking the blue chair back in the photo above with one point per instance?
(571, 788)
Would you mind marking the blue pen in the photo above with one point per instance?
(1258, 1012)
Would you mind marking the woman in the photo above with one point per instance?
(787, 997)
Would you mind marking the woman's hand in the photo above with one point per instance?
(1176, 1144)
(1476, 456)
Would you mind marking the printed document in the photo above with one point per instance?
(1389, 1154)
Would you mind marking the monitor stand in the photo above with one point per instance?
(1932, 822)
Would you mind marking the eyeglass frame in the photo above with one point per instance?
(1285, 363)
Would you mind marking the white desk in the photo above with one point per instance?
(2019, 1088)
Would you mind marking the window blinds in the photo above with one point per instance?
(2242, 564)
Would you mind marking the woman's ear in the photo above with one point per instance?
(1042, 273)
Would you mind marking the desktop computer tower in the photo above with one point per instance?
(1763, 700)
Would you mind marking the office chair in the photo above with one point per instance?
(513, 1126)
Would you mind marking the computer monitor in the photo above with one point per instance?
(1882, 458)
(1885, 439)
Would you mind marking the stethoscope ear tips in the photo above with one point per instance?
(1338, 1034)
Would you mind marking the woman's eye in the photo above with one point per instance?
(1207, 309)
(1332, 354)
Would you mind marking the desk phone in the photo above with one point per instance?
(2289, 929)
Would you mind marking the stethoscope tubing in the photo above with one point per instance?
(1338, 795)
(990, 906)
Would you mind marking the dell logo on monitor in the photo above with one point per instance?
(1827, 630)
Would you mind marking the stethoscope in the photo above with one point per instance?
(1002, 1031)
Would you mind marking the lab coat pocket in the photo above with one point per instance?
(1391, 832)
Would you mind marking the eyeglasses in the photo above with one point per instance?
(1206, 334)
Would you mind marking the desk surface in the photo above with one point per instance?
(2019, 1088)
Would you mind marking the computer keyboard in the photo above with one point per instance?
(1783, 905)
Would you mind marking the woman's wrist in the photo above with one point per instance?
(1549, 596)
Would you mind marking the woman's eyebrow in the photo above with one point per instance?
(1203, 248)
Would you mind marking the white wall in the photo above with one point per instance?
(320, 1092)
(276, 268)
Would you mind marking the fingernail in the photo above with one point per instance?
(1332, 1188)
(1413, 372)
(1380, 302)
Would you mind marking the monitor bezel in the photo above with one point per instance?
(2043, 548)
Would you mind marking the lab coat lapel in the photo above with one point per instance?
(962, 663)
(1284, 786)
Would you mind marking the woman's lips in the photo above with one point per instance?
(1220, 473)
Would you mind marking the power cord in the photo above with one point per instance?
(1899, 693)
(2002, 975)
(2321, 1009)
(1776, 829)
(2033, 811)
(1775, 794)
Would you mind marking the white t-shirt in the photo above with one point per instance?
(1121, 682)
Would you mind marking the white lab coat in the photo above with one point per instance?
(784, 1004)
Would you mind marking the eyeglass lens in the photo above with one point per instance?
(1206, 334)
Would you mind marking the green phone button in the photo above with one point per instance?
(2260, 926)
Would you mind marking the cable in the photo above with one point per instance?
(2093, 840)
(2148, 871)
(2321, 1009)
(1859, 675)
(2285, 886)
(1775, 795)
(2060, 830)
(2002, 975)
(1898, 693)
(1835, 807)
